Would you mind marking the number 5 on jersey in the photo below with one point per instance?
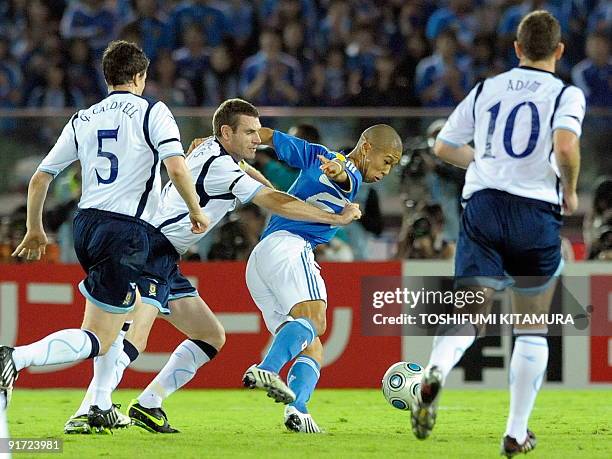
(108, 134)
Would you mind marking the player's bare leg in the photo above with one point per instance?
(449, 346)
(290, 339)
(193, 317)
(302, 379)
(527, 370)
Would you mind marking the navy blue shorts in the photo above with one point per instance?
(112, 249)
(508, 240)
(161, 279)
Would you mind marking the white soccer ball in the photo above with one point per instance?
(401, 384)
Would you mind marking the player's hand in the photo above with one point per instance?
(570, 202)
(330, 168)
(33, 245)
(195, 143)
(349, 213)
(199, 222)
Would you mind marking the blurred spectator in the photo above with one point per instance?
(308, 132)
(56, 92)
(387, 87)
(594, 74)
(600, 20)
(10, 78)
(328, 81)
(362, 52)
(294, 45)
(192, 60)
(203, 12)
(221, 77)
(416, 49)
(421, 235)
(277, 13)
(335, 26)
(254, 221)
(456, 17)
(89, 20)
(443, 79)
(280, 175)
(83, 74)
(271, 77)
(241, 19)
(164, 83)
(484, 61)
(148, 26)
(598, 221)
(231, 242)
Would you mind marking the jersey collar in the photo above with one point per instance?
(527, 67)
(223, 150)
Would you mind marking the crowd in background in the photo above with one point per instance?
(289, 52)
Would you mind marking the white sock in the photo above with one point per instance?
(527, 369)
(184, 362)
(64, 346)
(449, 347)
(104, 366)
(4, 435)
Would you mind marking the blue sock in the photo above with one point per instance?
(292, 339)
(303, 377)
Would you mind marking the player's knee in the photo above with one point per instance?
(139, 342)
(213, 334)
(320, 322)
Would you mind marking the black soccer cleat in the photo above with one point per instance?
(8, 372)
(424, 410)
(102, 421)
(151, 419)
(510, 447)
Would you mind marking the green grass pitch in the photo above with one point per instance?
(358, 423)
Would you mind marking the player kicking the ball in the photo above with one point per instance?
(220, 183)
(523, 170)
(282, 275)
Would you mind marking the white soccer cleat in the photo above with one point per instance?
(270, 382)
(296, 421)
(123, 421)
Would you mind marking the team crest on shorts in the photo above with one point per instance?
(152, 289)
(128, 298)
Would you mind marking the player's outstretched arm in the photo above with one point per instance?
(35, 240)
(266, 135)
(567, 153)
(181, 178)
(288, 206)
(457, 156)
(335, 170)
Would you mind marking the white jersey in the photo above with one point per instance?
(219, 182)
(120, 143)
(511, 118)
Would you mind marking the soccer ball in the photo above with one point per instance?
(401, 383)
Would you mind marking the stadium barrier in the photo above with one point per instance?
(37, 299)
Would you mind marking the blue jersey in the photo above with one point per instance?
(312, 186)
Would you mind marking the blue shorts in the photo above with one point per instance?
(112, 249)
(161, 280)
(508, 240)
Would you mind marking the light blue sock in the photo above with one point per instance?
(302, 378)
(292, 339)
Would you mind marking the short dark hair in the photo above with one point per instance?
(121, 61)
(538, 35)
(228, 113)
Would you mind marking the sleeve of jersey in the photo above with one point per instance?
(459, 128)
(63, 153)
(225, 177)
(570, 112)
(296, 152)
(164, 132)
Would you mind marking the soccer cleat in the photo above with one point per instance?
(424, 409)
(152, 419)
(102, 421)
(8, 372)
(510, 447)
(77, 425)
(296, 421)
(270, 382)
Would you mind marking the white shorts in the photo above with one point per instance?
(281, 273)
